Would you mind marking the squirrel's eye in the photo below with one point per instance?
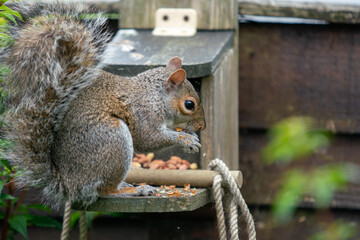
(189, 105)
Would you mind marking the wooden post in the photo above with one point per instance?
(219, 95)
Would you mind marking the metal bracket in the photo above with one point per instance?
(181, 22)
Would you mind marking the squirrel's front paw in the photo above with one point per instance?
(190, 142)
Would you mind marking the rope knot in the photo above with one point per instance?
(232, 199)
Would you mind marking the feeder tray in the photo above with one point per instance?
(199, 180)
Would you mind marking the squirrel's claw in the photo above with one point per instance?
(190, 142)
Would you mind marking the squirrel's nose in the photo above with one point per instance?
(202, 125)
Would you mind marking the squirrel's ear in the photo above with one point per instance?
(174, 64)
(176, 78)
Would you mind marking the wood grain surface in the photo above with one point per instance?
(310, 70)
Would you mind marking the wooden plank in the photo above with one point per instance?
(262, 182)
(131, 52)
(219, 96)
(311, 70)
(212, 14)
(336, 12)
(151, 203)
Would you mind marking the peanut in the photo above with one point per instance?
(176, 158)
(154, 166)
(136, 164)
(183, 167)
(185, 162)
(171, 166)
(150, 156)
(193, 166)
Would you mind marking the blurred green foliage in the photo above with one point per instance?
(319, 184)
(294, 138)
(291, 140)
(336, 231)
(16, 215)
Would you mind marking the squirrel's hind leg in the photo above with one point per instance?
(127, 190)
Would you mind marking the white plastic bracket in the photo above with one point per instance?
(181, 22)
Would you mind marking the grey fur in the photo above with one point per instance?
(38, 68)
(75, 126)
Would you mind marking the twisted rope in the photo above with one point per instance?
(232, 215)
(66, 222)
(237, 199)
(219, 207)
(83, 226)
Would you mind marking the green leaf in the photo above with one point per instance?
(5, 163)
(90, 216)
(18, 223)
(289, 195)
(293, 138)
(74, 218)
(44, 221)
(3, 71)
(8, 16)
(41, 207)
(23, 209)
(8, 10)
(327, 180)
(5, 144)
(5, 41)
(7, 196)
(2, 183)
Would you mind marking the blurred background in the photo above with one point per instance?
(299, 124)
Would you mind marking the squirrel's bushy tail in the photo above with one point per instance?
(54, 55)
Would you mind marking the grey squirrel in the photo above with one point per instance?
(75, 126)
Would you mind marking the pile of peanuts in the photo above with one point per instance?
(172, 191)
(146, 161)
